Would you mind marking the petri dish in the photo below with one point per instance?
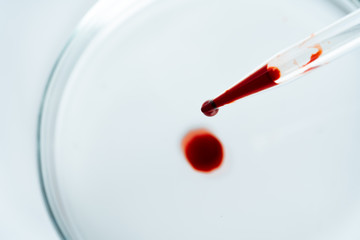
(128, 87)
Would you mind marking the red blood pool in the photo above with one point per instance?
(203, 150)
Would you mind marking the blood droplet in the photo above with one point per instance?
(209, 108)
(203, 150)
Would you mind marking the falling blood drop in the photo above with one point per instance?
(203, 150)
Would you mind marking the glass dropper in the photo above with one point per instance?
(317, 50)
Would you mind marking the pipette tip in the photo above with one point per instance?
(209, 108)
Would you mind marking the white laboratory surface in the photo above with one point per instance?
(32, 34)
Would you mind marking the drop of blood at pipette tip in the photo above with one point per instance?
(203, 150)
(209, 108)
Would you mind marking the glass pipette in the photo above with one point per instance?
(315, 51)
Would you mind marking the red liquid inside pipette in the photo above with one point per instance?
(317, 54)
(262, 79)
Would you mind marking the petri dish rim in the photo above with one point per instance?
(100, 20)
